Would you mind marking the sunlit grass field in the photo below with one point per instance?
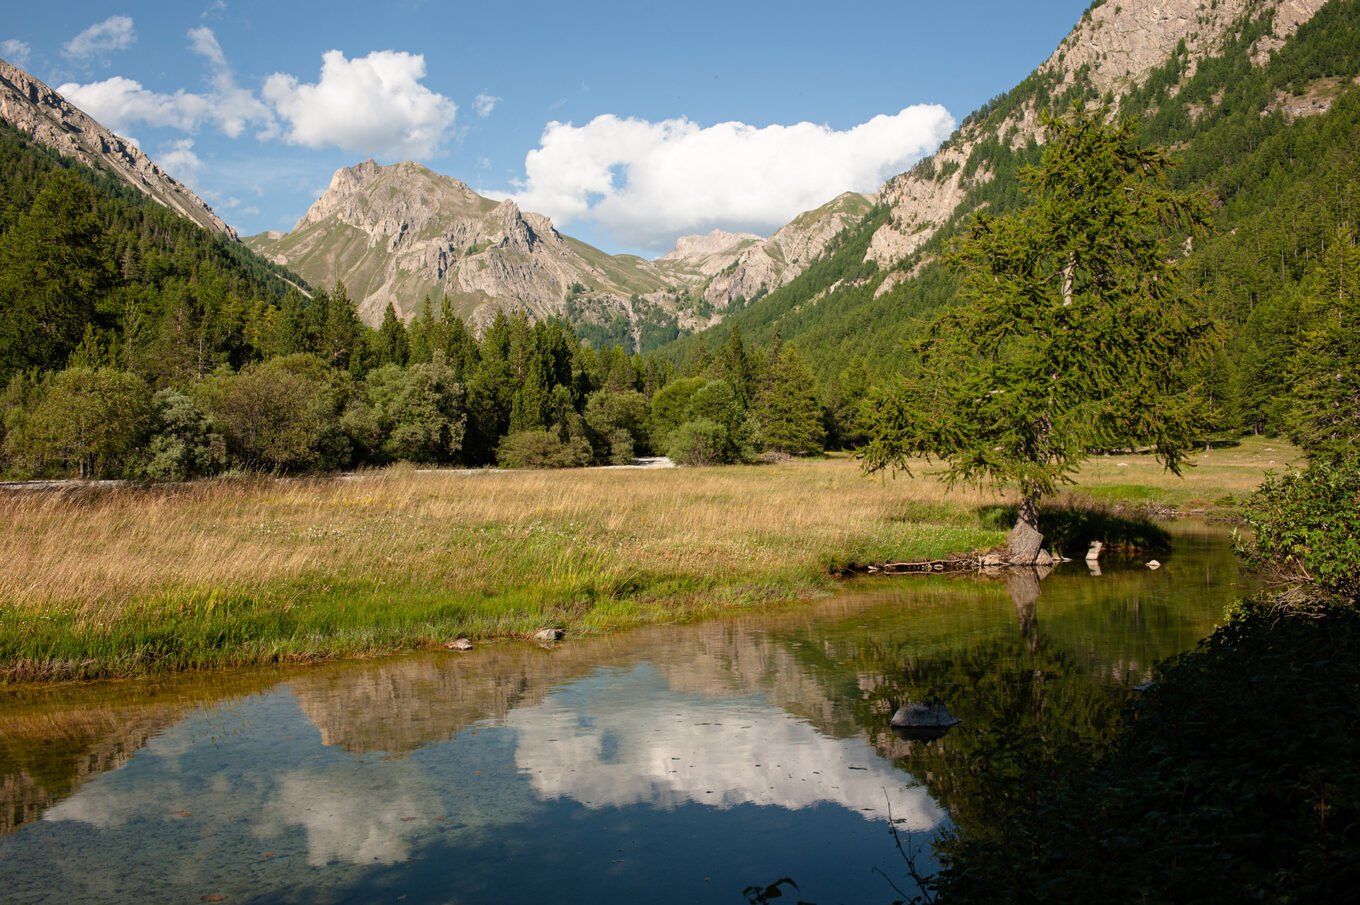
(131, 580)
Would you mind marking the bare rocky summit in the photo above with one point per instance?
(56, 123)
(400, 233)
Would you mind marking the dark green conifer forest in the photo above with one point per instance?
(137, 345)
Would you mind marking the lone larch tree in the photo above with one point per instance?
(1073, 333)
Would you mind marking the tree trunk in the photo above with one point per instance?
(1025, 540)
(1023, 585)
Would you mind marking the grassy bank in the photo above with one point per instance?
(125, 581)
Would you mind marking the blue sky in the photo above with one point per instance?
(629, 123)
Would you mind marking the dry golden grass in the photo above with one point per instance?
(130, 579)
(461, 529)
(1214, 476)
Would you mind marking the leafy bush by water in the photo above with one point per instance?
(1307, 527)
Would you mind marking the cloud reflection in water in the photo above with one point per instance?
(629, 740)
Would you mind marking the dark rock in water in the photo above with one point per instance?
(923, 722)
(920, 733)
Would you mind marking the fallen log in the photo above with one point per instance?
(986, 563)
(922, 568)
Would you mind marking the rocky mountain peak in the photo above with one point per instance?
(54, 122)
(1120, 44)
(1115, 46)
(688, 248)
(393, 200)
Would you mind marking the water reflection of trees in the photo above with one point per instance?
(53, 741)
(1035, 712)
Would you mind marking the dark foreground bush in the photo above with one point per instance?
(1236, 780)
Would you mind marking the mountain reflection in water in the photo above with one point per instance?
(669, 764)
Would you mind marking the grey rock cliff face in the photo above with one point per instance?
(1119, 44)
(396, 234)
(52, 121)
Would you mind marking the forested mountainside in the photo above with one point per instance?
(135, 343)
(86, 258)
(52, 121)
(1268, 127)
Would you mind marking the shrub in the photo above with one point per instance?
(86, 421)
(542, 449)
(283, 414)
(1307, 527)
(416, 413)
(610, 412)
(671, 407)
(620, 447)
(184, 445)
(700, 442)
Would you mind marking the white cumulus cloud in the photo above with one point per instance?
(484, 104)
(179, 160)
(122, 103)
(16, 51)
(114, 33)
(370, 105)
(649, 182)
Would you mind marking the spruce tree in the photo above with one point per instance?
(391, 346)
(1075, 333)
(788, 411)
(1325, 416)
(55, 269)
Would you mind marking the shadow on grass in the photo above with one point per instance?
(1069, 529)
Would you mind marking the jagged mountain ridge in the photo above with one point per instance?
(54, 122)
(396, 234)
(730, 268)
(399, 233)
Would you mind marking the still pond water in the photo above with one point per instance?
(672, 764)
